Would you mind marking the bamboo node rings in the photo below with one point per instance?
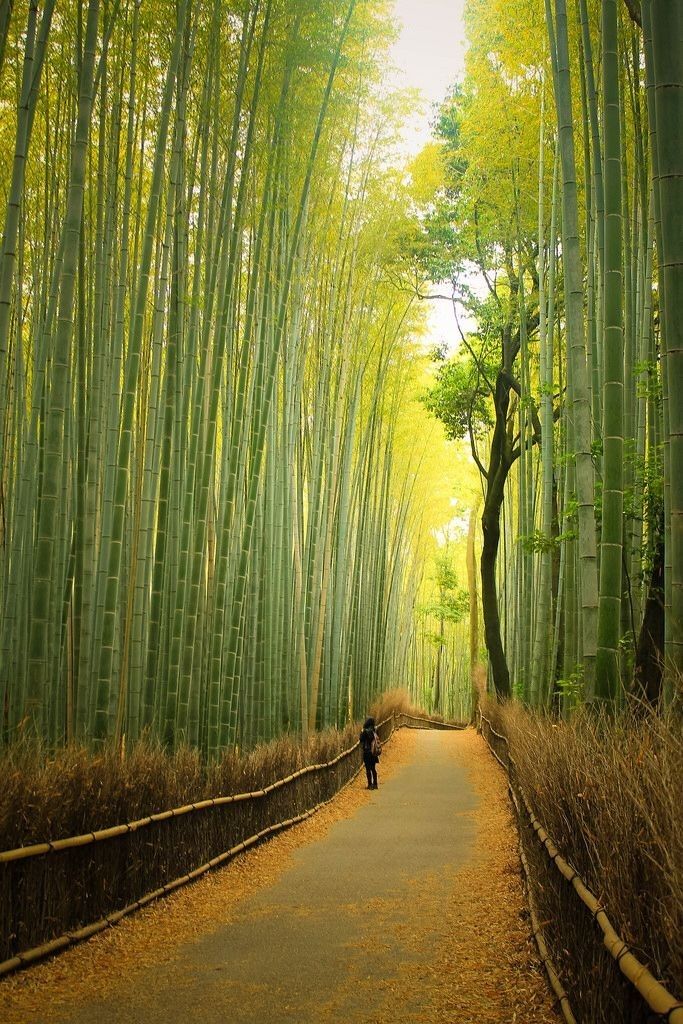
(622, 952)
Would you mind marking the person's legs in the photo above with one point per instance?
(369, 769)
(374, 774)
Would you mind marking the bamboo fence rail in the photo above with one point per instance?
(657, 997)
(54, 846)
(80, 885)
(426, 723)
(30, 956)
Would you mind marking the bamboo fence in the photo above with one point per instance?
(55, 894)
(659, 1000)
(417, 722)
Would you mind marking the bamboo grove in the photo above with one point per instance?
(206, 532)
(562, 184)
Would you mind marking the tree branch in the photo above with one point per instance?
(517, 388)
(528, 445)
(473, 446)
(476, 359)
(481, 258)
(434, 295)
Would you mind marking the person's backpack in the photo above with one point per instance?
(375, 746)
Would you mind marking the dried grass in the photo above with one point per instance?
(51, 795)
(609, 790)
(397, 702)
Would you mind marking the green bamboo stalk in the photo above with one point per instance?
(543, 639)
(217, 357)
(228, 726)
(102, 721)
(40, 654)
(34, 58)
(607, 665)
(667, 32)
(577, 379)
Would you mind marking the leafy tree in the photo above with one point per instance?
(478, 393)
(451, 605)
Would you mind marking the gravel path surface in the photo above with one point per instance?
(397, 905)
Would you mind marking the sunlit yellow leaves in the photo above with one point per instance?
(427, 173)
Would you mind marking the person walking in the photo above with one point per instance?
(371, 747)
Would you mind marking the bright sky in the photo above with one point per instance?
(429, 56)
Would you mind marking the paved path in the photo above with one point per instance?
(329, 939)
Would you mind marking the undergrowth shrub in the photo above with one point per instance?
(609, 790)
(397, 702)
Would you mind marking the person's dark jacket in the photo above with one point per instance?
(367, 736)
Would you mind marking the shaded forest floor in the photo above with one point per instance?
(400, 905)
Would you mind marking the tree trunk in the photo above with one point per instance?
(649, 666)
(490, 522)
(474, 603)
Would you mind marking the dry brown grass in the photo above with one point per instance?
(399, 701)
(73, 790)
(609, 790)
(53, 794)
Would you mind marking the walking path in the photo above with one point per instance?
(400, 905)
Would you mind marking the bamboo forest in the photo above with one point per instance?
(341, 381)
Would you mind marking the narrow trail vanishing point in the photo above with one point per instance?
(401, 905)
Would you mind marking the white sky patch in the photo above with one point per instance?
(453, 531)
(443, 331)
(429, 56)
